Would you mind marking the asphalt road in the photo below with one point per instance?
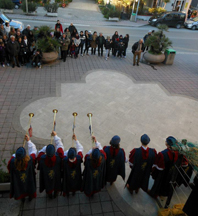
(184, 40)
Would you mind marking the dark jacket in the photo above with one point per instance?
(100, 41)
(71, 28)
(135, 46)
(26, 32)
(126, 41)
(13, 48)
(108, 44)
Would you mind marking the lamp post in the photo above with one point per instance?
(137, 11)
(26, 2)
(131, 19)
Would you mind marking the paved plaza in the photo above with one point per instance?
(125, 100)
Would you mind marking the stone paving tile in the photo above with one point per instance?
(63, 210)
(96, 208)
(85, 209)
(29, 205)
(74, 210)
(106, 206)
(41, 212)
(41, 203)
(51, 211)
(28, 213)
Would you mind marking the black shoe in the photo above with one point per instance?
(50, 196)
(13, 66)
(137, 64)
(23, 200)
(18, 65)
(133, 64)
(55, 194)
(30, 199)
(73, 193)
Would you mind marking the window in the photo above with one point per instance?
(168, 17)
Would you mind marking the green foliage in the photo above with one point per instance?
(45, 30)
(4, 176)
(114, 13)
(158, 42)
(110, 12)
(163, 27)
(156, 11)
(32, 6)
(6, 4)
(48, 44)
(51, 8)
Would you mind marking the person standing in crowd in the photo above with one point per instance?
(87, 42)
(146, 37)
(7, 28)
(37, 58)
(64, 41)
(18, 35)
(67, 32)
(72, 50)
(100, 40)
(2, 54)
(72, 175)
(22, 173)
(13, 51)
(5, 41)
(114, 40)
(26, 30)
(94, 171)
(49, 164)
(115, 163)
(76, 40)
(21, 51)
(163, 169)
(74, 33)
(26, 49)
(137, 49)
(121, 47)
(141, 161)
(59, 25)
(35, 33)
(12, 32)
(31, 37)
(93, 43)
(108, 44)
(2, 30)
(57, 34)
(126, 42)
(71, 28)
(82, 42)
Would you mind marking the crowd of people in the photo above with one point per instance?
(60, 171)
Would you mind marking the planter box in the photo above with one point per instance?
(116, 19)
(6, 11)
(155, 59)
(143, 17)
(49, 57)
(5, 186)
(52, 14)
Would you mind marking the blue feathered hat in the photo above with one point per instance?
(145, 139)
(72, 153)
(50, 150)
(115, 141)
(20, 153)
(96, 154)
(171, 140)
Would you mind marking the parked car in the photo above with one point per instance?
(171, 19)
(192, 23)
(13, 23)
(17, 3)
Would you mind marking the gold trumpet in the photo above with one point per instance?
(74, 125)
(90, 126)
(30, 115)
(54, 122)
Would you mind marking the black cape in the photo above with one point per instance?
(93, 178)
(190, 207)
(72, 177)
(115, 165)
(50, 177)
(140, 173)
(23, 183)
(162, 186)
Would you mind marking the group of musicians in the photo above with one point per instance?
(60, 171)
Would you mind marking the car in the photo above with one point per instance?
(17, 3)
(13, 23)
(171, 19)
(192, 23)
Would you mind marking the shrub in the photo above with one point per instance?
(31, 6)
(51, 8)
(6, 4)
(156, 11)
(114, 13)
(4, 176)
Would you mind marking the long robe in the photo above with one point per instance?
(115, 163)
(23, 183)
(72, 176)
(93, 177)
(141, 169)
(50, 173)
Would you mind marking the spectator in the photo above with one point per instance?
(7, 28)
(5, 41)
(67, 32)
(35, 33)
(87, 42)
(126, 42)
(2, 54)
(57, 33)
(26, 30)
(77, 44)
(100, 42)
(31, 37)
(114, 41)
(108, 47)
(12, 32)
(93, 43)
(64, 41)
(82, 42)
(121, 48)
(26, 49)
(74, 33)
(18, 35)
(37, 57)
(2, 30)
(71, 28)
(137, 49)
(21, 51)
(116, 47)
(32, 49)
(146, 37)
(72, 49)
(13, 51)
(59, 25)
